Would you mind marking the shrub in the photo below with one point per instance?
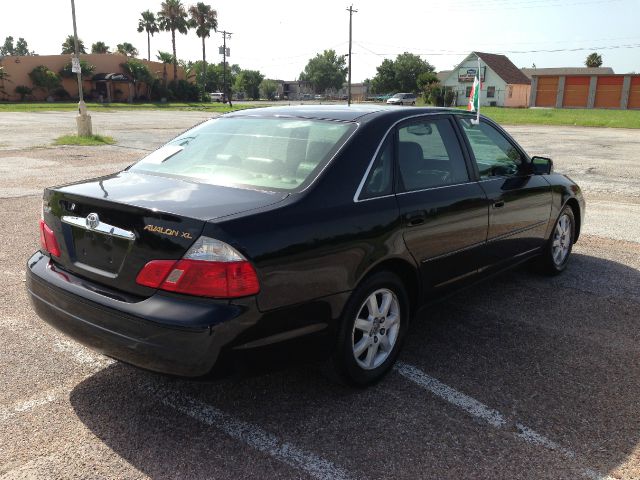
(184, 91)
(60, 94)
(44, 78)
(23, 91)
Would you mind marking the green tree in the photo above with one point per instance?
(22, 49)
(593, 60)
(172, 17)
(203, 19)
(68, 46)
(127, 49)
(86, 70)
(429, 86)
(401, 74)
(99, 47)
(268, 89)
(385, 79)
(325, 70)
(138, 72)
(165, 58)
(248, 81)
(147, 23)
(44, 78)
(7, 47)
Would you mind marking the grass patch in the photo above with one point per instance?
(564, 116)
(116, 107)
(581, 117)
(93, 140)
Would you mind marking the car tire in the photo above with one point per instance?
(413, 103)
(400, 103)
(555, 255)
(369, 342)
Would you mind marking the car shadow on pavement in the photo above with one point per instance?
(560, 355)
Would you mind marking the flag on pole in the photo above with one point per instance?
(474, 97)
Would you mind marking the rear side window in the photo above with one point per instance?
(264, 153)
(429, 155)
(379, 182)
(494, 154)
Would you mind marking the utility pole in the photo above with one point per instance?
(226, 92)
(351, 12)
(83, 120)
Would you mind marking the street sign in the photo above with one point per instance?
(75, 65)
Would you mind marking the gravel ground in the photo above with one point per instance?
(518, 378)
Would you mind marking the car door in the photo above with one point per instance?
(520, 202)
(444, 212)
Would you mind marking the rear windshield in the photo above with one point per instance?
(262, 153)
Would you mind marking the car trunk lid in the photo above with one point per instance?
(109, 228)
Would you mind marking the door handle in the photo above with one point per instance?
(415, 218)
(498, 204)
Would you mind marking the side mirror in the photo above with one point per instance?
(541, 165)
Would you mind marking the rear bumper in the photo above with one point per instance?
(144, 333)
(169, 333)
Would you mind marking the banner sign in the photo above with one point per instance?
(467, 74)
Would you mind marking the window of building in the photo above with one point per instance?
(510, 90)
(491, 92)
(468, 92)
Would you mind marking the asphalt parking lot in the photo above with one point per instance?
(518, 378)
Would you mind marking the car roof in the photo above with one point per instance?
(336, 112)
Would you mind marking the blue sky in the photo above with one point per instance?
(278, 37)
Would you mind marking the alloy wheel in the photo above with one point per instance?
(376, 328)
(562, 238)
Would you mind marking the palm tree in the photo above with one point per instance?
(203, 19)
(68, 46)
(127, 49)
(593, 60)
(165, 58)
(172, 17)
(99, 47)
(148, 24)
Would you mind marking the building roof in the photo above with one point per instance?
(504, 68)
(529, 72)
(442, 76)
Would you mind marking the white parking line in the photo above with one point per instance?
(252, 436)
(489, 415)
(249, 434)
(41, 398)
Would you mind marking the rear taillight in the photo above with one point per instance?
(48, 241)
(210, 268)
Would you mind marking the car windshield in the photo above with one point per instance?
(263, 153)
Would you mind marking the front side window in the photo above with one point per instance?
(264, 153)
(429, 155)
(494, 154)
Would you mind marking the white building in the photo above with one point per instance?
(503, 84)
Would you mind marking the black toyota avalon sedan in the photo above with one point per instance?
(265, 226)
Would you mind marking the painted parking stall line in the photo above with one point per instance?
(251, 435)
(492, 417)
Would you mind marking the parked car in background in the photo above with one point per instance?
(218, 97)
(402, 99)
(262, 227)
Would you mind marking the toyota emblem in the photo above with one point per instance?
(92, 220)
